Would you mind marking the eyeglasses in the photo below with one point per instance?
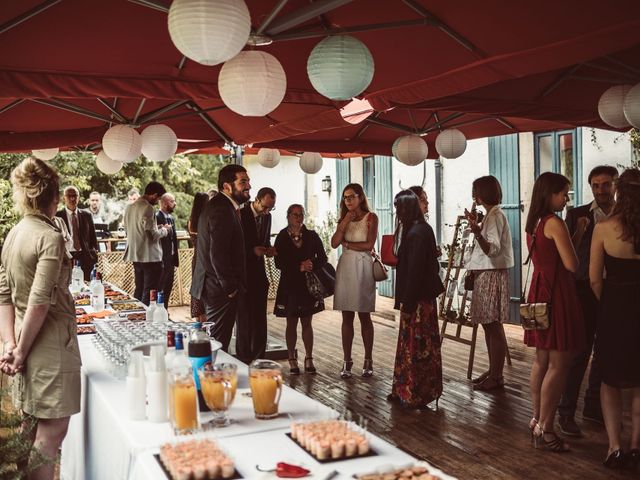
(297, 215)
(267, 209)
(348, 198)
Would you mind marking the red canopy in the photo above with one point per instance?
(69, 68)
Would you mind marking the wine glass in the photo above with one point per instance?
(218, 392)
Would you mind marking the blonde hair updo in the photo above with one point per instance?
(35, 186)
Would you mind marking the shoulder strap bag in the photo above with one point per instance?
(535, 315)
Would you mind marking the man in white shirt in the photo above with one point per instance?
(143, 241)
(95, 207)
(580, 222)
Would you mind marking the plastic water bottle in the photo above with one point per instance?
(160, 313)
(199, 349)
(157, 388)
(92, 277)
(136, 386)
(152, 305)
(77, 278)
(97, 294)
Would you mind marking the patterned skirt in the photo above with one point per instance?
(417, 374)
(490, 298)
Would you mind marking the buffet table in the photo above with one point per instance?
(102, 443)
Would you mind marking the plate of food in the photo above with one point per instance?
(86, 329)
(196, 459)
(415, 471)
(331, 440)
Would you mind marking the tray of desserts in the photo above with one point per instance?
(86, 329)
(135, 316)
(119, 297)
(417, 471)
(196, 459)
(127, 306)
(331, 440)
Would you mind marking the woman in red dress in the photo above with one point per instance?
(554, 261)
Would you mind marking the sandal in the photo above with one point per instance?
(489, 384)
(481, 378)
(294, 369)
(367, 368)
(346, 369)
(308, 365)
(556, 444)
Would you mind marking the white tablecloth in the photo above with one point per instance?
(102, 443)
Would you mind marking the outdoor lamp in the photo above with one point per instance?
(410, 149)
(631, 106)
(340, 67)
(209, 32)
(159, 143)
(107, 165)
(610, 106)
(311, 162)
(451, 143)
(252, 83)
(326, 184)
(268, 157)
(122, 143)
(45, 153)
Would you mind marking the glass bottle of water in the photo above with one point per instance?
(77, 278)
(97, 294)
(160, 314)
(152, 305)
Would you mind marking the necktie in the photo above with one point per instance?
(76, 232)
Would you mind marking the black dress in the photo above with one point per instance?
(618, 329)
(293, 299)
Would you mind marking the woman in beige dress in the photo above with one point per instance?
(355, 286)
(37, 317)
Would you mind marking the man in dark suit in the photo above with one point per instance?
(169, 245)
(580, 222)
(220, 278)
(83, 233)
(251, 336)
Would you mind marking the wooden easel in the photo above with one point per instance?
(446, 311)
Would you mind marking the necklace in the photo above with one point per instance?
(294, 237)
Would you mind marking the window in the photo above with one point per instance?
(561, 152)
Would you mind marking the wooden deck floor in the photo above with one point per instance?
(472, 435)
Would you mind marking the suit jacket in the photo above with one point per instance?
(418, 271)
(583, 251)
(143, 235)
(253, 237)
(220, 253)
(167, 242)
(88, 240)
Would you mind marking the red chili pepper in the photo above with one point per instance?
(286, 470)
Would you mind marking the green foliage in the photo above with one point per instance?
(183, 175)
(634, 138)
(325, 230)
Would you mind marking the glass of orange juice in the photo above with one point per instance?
(218, 392)
(265, 380)
(183, 402)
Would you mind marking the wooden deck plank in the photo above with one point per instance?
(472, 435)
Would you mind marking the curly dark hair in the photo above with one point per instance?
(626, 208)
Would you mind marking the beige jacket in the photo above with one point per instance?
(143, 234)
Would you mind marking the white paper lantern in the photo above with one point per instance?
(122, 143)
(410, 149)
(631, 106)
(311, 162)
(268, 157)
(252, 83)
(107, 165)
(209, 31)
(340, 67)
(451, 143)
(610, 106)
(45, 153)
(159, 143)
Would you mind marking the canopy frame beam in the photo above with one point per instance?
(211, 123)
(155, 5)
(38, 9)
(9, 106)
(267, 21)
(147, 117)
(69, 107)
(117, 114)
(303, 14)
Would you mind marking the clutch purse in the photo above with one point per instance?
(380, 272)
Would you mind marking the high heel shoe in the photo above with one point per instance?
(308, 365)
(633, 458)
(615, 460)
(367, 368)
(481, 378)
(294, 369)
(346, 369)
(532, 426)
(556, 444)
(489, 384)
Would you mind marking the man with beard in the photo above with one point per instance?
(256, 225)
(220, 278)
(169, 245)
(143, 241)
(580, 222)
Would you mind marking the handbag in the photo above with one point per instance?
(321, 283)
(386, 251)
(380, 272)
(535, 315)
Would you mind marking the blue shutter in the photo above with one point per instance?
(504, 164)
(382, 204)
(343, 178)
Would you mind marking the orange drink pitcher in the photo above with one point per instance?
(265, 380)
